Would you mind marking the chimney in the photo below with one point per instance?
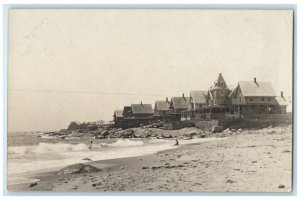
(142, 103)
(183, 95)
(254, 80)
(281, 94)
(167, 100)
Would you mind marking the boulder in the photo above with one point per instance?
(78, 168)
(128, 133)
(99, 137)
(216, 129)
(33, 184)
(105, 133)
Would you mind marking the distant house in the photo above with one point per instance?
(127, 112)
(118, 117)
(281, 104)
(179, 107)
(142, 111)
(218, 93)
(137, 114)
(255, 97)
(162, 111)
(217, 98)
(197, 102)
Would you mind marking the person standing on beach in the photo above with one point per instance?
(177, 143)
(91, 145)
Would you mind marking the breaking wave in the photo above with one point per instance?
(124, 143)
(47, 148)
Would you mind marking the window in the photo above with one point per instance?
(269, 99)
(262, 99)
(250, 99)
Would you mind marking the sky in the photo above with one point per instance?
(81, 65)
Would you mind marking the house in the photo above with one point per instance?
(162, 111)
(197, 103)
(281, 105)
(137, 114)
(179, 107)
(118, 117)
(217, 98)
(142, 111)
(218, 93)
(255, 97)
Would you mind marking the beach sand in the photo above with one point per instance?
(249, 161)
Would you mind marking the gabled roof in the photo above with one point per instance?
(258, 89)
(220, 83)
(281, 101)
(198, 96)
(142, 108)
(180, 102)
(233, 91)
(118, 113)
(162, 105)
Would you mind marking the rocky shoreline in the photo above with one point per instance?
(247, 161)
(150, 131)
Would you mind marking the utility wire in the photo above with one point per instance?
(86, 92)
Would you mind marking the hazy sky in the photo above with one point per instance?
(80, 65)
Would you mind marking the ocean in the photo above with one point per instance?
(32, 153)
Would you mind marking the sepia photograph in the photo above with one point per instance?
(150, 100)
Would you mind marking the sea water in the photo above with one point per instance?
(29, 153)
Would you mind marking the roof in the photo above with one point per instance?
(198, 96)
(258, 89)
(233, 91)
(162, 105)
(118, 113)
(220, 83)
(281, 101)
(180, 102)
(142, 108)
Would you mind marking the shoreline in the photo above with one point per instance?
(254, 161)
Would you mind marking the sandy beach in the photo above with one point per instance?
(249, 161)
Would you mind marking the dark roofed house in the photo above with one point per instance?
(253, 97)
(179, 107)
(218, 93)
(137, 114)
(197, 102)
(162, 110)
(142, 110)
(118, 117)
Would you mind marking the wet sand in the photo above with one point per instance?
(250, 161)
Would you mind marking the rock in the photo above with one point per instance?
(33, 184)
(281, 186)
(137, 136)
(145, 167)
(87, 159)
(230, 181)
(128, 133)
(78, 168)
(104, 133)
(99, 137)
(217, 129)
